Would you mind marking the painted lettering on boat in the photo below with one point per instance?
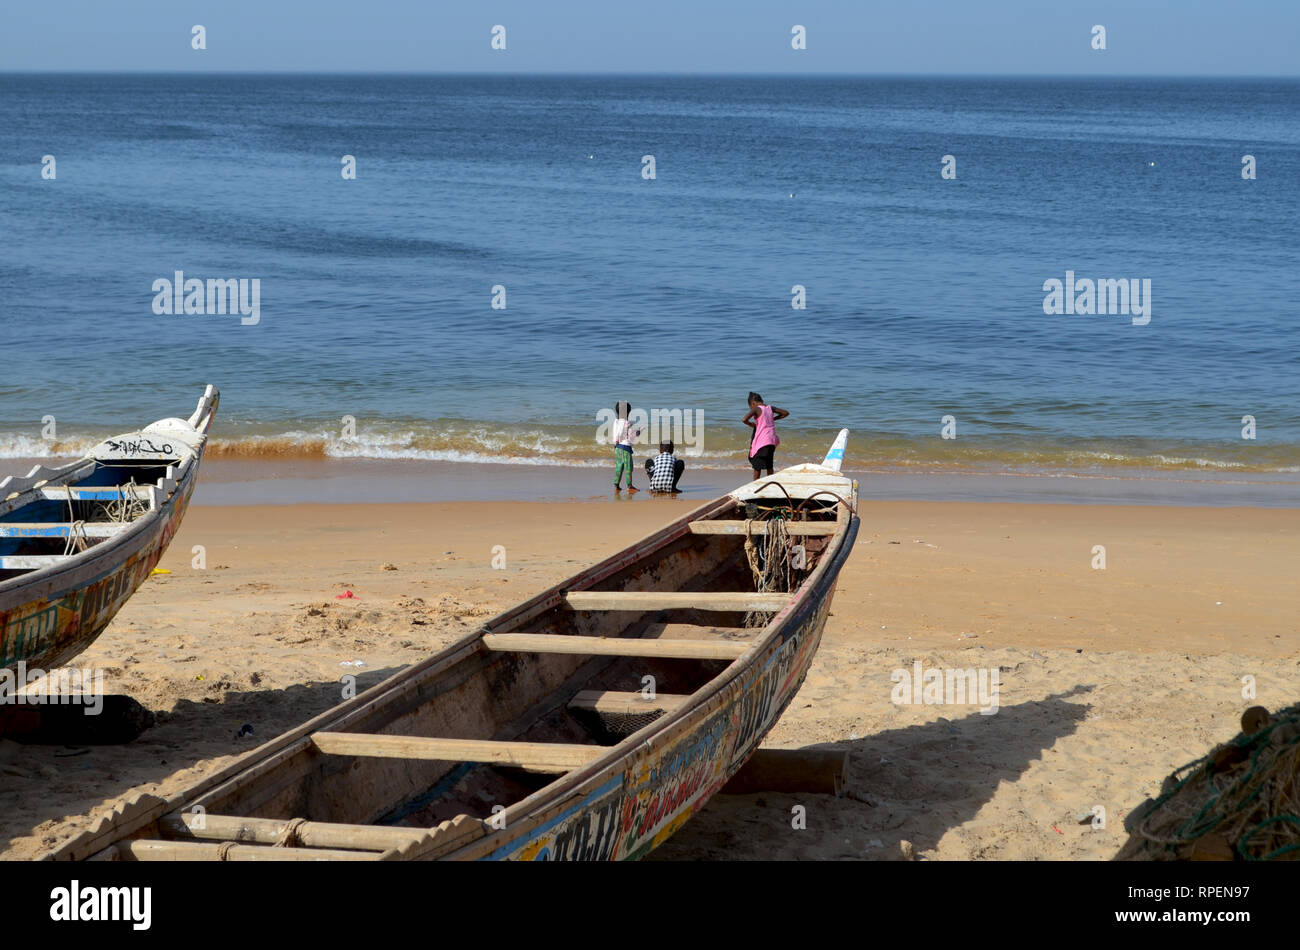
(590, 838)
(657, 794)
(139, 447)
(756, 704)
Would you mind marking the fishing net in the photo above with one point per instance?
(1239, 802)
(769, 557)
(624, 724)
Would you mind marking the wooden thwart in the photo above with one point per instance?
(615, 646)
(97, 529)
(150, 850)
(31, 562)
(107, 493)
(639, 600)
(611, 703)
(795, 528)
(308, 834)
(534, 756)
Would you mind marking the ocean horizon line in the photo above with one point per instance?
(686, 75)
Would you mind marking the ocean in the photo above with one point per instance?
(923, 327)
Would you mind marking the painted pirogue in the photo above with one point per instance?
(587, 723)
(76, 541)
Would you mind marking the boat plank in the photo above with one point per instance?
(616, 646)
(152, 850)
(31, 562)
(309, 834)
(27, 529)
(110, 493)
(535, 756)
(639, 600)
(803, 529)
(612, 702)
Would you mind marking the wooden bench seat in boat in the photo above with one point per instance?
(533, 756)
(616, 646)
(97, 493)
(641, 600)
(147, 850)
(61, 529)
(803, 529)
(613, 703)
(31, 562)
(307, 834)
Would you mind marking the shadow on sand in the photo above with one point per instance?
(53, 781)
(919, 782)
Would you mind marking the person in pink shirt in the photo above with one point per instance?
(762, 419)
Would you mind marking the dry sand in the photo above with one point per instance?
(1109, 678)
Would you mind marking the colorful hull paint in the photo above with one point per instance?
(54, 629)
(621, 805)
(668, 780)
(49, 617)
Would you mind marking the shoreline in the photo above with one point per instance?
(229, 482)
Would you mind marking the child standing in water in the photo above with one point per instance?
(762, 419)
(623, 436)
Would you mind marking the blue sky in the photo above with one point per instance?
(1144, 37)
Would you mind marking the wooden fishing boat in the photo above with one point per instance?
(76, 541)
(587, 723)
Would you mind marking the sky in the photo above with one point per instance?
(929, 37)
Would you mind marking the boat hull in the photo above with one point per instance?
(625, 812)
(48, 631)
(54, 613)
(402, 771)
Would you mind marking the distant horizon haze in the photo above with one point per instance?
(1146, 38)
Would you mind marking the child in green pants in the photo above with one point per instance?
(623, 436)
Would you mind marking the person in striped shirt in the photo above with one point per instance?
(664, 470)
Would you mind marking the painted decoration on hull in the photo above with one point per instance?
(629, 816)
(51, 632)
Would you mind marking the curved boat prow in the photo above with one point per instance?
(835, 455)
(207, 408)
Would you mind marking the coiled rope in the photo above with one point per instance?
(1242, 799)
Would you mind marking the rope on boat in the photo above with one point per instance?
(769, 563)
(77, 540)
(1241, 800)
(290, 836)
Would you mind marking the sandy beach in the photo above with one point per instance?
(1109, 679)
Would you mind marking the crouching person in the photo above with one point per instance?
(664, 470)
